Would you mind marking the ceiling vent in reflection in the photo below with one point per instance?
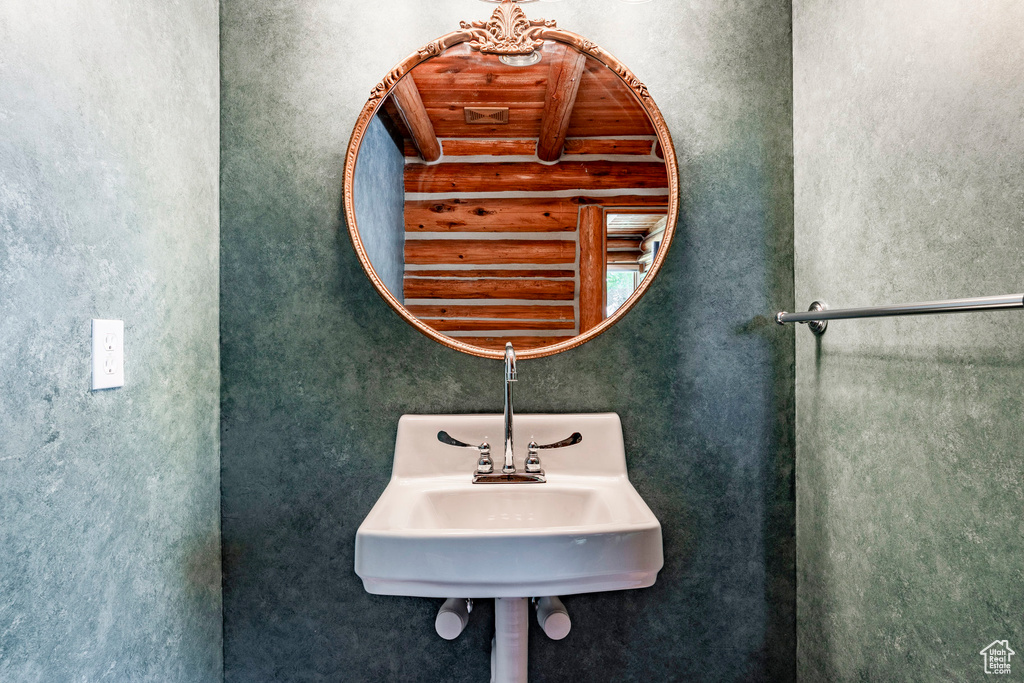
(486, 115)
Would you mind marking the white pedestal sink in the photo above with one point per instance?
(433, 533)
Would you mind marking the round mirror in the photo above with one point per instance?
(511, 181)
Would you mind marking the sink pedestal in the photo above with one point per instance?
(509, 647)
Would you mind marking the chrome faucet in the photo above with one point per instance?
(510, 376)
(532, 472)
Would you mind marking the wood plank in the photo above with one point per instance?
(637, 232)
(632, 224)
(498, 325)
(490, 215)
(617, 243)
(563, 83)
(582, 125)
(494, 273)
(437, 252)
(448, 91)
(457, 148)
(657, 212)
(615, 98)
(446, 288)
(486, 131)
(534, 177)
(442, 90)
(461, 60)
(453, 112)
(622, 203)
(600, 80)
(416, 120)
(493, 311)
(592, 267)
(606, 146)
(526, 123)
(519, 343)
(609, 107)
(624, 256)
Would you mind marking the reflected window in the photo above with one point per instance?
(620, 284)
(633, 239)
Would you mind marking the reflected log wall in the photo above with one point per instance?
(492, 239)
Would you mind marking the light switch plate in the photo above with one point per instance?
(107, 354)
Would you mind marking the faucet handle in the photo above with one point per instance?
(572, 440)
(533, 459)
(484, 465)
(533, 452)
(444, 437)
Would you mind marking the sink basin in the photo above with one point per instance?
(433, 533)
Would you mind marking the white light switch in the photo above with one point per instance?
(107, 354)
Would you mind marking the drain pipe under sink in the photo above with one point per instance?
(508, 649)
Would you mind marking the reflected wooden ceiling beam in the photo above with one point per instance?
(407, 96)
(563, 84)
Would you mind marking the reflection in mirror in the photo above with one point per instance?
(500, 203)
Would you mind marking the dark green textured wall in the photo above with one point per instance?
(109, 501)
(909, 186)
(317, 370)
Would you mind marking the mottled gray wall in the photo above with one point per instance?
(379, 202)
(109, 501)
(317, 369)
(909, 187)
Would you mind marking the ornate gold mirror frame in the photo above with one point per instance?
(510, 32)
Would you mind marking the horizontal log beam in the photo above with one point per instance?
(622, 203)
(490, 215)
(624, 243)
(527, 290)
(658, 207)
(498, 325)
(605, 146)
(492, 311)
(484, 273)
(534, 177)
(519, 343)
(438, 252)
(528, 147)
(459, 148)
(629, 257)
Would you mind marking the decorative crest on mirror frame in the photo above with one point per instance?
(507, 32)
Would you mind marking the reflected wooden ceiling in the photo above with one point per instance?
(602, 106)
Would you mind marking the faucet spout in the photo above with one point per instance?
(510, 376)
